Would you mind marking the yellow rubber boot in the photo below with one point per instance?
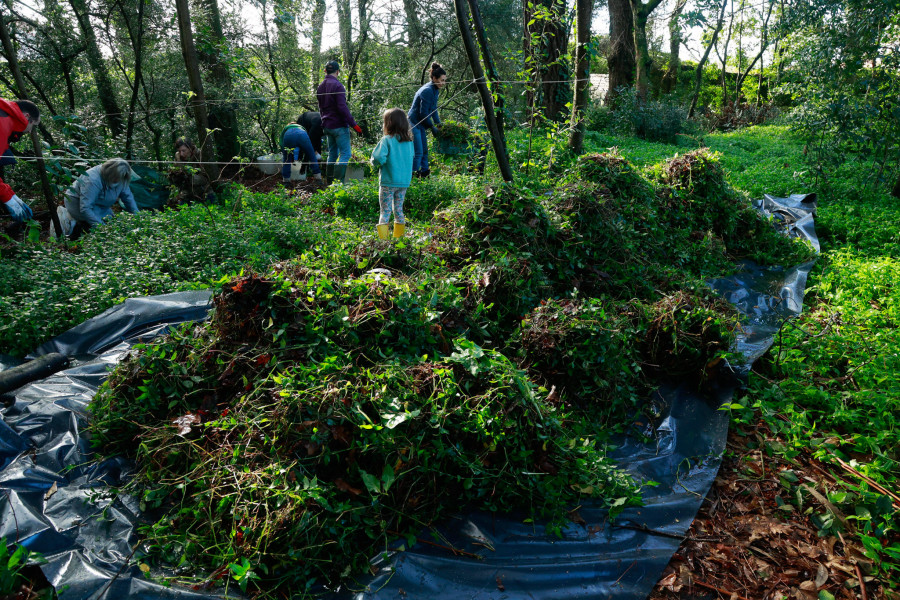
(399, 230)
(383, 231)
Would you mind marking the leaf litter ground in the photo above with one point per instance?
(758, 533)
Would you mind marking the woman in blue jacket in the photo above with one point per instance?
(423, 115)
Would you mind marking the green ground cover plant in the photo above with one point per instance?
(49, 289)
(830, 383)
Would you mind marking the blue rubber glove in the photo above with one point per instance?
(18, 209)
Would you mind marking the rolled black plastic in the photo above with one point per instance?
(41, 367)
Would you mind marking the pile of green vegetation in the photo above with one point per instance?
(328, 407)
(455, 133)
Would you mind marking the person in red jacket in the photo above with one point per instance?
(16, 118)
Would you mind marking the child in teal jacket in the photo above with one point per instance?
(394, 154)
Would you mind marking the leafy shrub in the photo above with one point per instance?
(652, 120)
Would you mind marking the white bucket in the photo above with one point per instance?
(269, 164)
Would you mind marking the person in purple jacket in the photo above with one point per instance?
(336, 122)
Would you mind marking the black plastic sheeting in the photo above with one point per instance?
(59, 502)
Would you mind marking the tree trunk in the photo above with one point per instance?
(13, 63)
(413, 24)
(198, 99)
(487, 103)
(621, 48)
(698, 75)
(583, 15)
(222, 118)
(763, 44)
(137, 44)
(352, 76)
(345, 29)
(105, 89)
(493, 75)
(724, 58)
(670, 79)
(642, 13)
(549, 37)
(318, 22)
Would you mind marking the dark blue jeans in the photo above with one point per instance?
(297, 142)
(420, 149)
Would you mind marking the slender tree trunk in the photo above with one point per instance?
(137, 43)
(698, 75)
(550, 36)
(492, 73)
(642, 13)
(345, 30)
(763, 44)
(670, 79)
(352, 75)
(487, 103)
(66, 66)
(724, 58)
(13, 63)
(105, 89)
(198, 100)
(273, 75)
(318, 22)
(413, 24)
(222, 118)
(621, 48)
(583, 15)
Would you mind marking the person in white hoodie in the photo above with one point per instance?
(394, 154)
(90, 199)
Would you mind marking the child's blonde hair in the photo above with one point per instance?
(396, 123)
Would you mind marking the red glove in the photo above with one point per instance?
(357, 129)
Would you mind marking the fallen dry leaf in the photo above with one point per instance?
(184, 422)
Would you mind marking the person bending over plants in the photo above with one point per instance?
(423, 115)
(394, 154)
(90, 199)
(294, 142)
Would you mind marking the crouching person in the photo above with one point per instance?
(90, 199)
(188, 176)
